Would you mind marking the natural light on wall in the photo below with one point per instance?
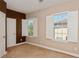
(62, 26)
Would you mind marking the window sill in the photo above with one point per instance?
(63, 41)
(31, 36)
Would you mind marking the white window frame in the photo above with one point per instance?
(35, 25)
(72, 27)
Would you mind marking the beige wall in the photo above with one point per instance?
(41, 39)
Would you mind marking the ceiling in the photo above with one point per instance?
(27, 6)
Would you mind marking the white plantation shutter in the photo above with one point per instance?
(35, 27)
(24, 28)
(49, 27)
(73, 26)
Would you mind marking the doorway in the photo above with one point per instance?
(11, 32)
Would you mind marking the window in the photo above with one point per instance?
(30, 27)
(62, 26)
(56, 26)
(61, 33)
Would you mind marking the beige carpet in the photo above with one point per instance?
(30, 51)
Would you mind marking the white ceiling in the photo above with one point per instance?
(27, 6)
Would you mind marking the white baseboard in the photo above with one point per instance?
(18, 44)
(5, 53)
(54, 49)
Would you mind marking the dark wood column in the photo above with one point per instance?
(2, 6)
(18, 16)
(18, 30)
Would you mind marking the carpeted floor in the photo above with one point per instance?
(31, 51)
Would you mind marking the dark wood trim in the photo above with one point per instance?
(18, 30)
(12, 14)
(18, 16)
(2, 6)
(6, 32)
(15, 14)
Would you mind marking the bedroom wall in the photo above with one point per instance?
(41, 39)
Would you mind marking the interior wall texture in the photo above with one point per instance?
(41, 39)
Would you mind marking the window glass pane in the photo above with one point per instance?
(60, 30)
(60, 35)
(64, 30)
(56, 35)
(56, 30)
(64, 36)
(60, 26)
(30, 28)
